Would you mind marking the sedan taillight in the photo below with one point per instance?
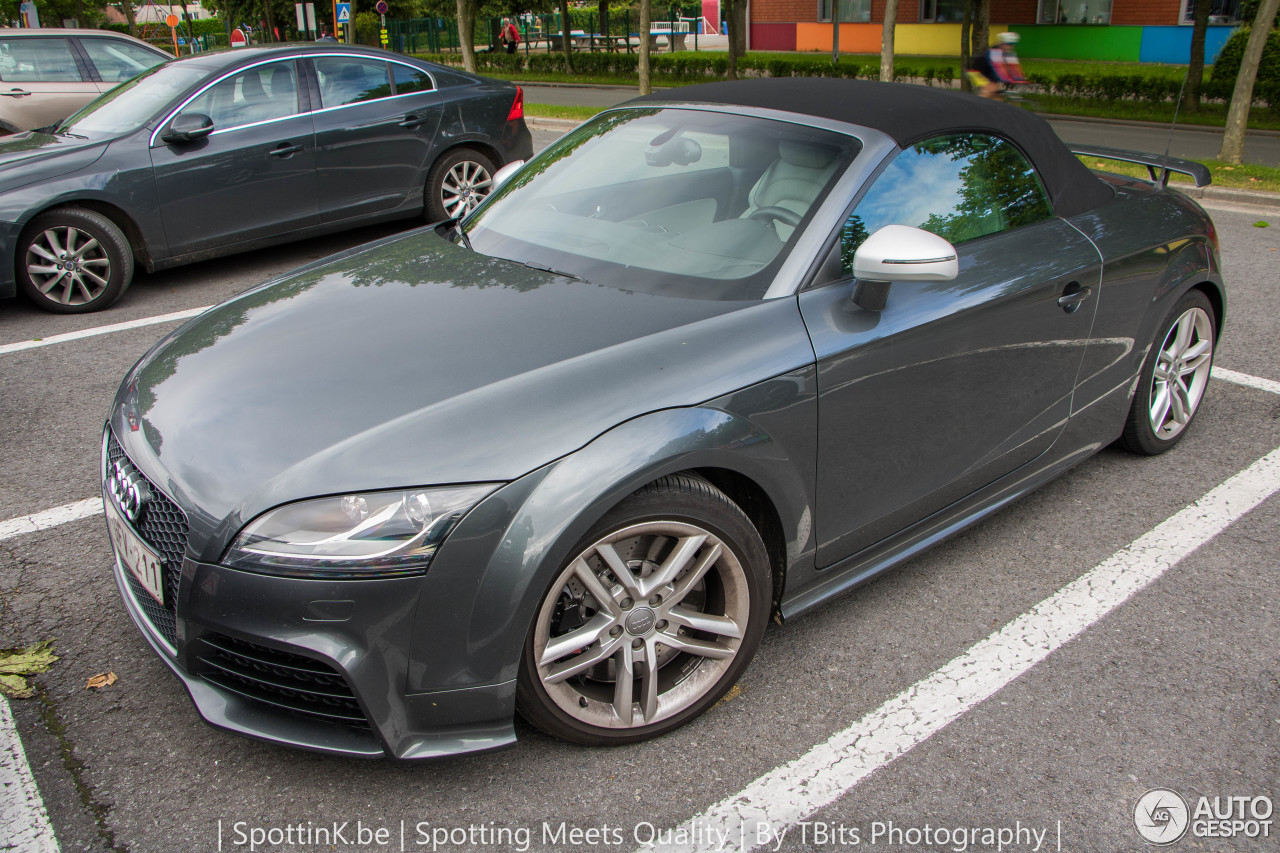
(517, 106)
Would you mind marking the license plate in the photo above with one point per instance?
(139, 558)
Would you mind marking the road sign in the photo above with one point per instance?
(171, 20)
(237, 38)
(386, 40)
(382, 7)
(344, 13)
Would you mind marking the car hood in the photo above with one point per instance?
(415, 362)
(29, 157)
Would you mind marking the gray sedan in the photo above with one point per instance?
(224, 152)
(708, 361)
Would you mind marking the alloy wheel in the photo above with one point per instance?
(1181, 373)
(641, 625)
(68, 266)
(465, 185)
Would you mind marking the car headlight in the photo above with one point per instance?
(388, 534)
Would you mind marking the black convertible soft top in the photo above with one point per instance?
(910, 114)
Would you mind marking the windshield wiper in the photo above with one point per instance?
(551, 270)
(462, 232)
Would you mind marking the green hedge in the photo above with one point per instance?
(203, 27)
(1227, 67)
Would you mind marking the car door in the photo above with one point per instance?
(41, 82)
(374, 134)
(953, 384)
(254, 176)
(113, 60)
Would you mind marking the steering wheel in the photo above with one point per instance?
(765, 214)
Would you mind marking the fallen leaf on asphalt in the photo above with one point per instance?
(17, 663)
(102, 679)
(1262, 223)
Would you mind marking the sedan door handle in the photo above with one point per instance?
(1072, 295)
(15, 93)
(411, 120)
(285, 150)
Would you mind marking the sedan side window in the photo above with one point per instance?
(257, 94)
(410, 80)
(118, 60)
(348, 80)
(38, 60)
(960, 186)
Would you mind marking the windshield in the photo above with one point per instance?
(678, 201)
(130, 105)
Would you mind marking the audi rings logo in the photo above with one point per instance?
(1161, 816)
(129, 490)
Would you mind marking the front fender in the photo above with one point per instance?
(485, 584)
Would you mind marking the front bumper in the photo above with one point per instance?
(322, 665)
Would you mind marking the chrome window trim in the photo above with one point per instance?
(876, 146)
(258, 123)
(155, 134)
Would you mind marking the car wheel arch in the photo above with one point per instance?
(573, 493)
(122, 220)
(477, 145)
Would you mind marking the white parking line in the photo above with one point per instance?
(787, 795)
(24, 824)
(102, 330)
(1246, 380)
(50, 518)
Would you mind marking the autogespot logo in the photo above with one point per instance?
(1161, 816)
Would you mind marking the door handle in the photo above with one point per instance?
(285, 150)
(1072, 295)
(15, 93)
(411, 120)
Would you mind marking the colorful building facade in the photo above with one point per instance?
(1118, 30)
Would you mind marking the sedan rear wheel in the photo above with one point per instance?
(457, 183)
(656, 616)
(73, 261)
(1174, 377)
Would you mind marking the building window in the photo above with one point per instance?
(851, 11)
(1220, 12)
(941, 11)
(1075, 11)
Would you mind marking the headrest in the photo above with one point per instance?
(805, 154)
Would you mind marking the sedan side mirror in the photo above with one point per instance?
(900, 253)
(504, 174)
(188, 127)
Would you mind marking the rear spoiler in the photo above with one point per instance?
(1158, 165)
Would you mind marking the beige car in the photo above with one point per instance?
(48, 74)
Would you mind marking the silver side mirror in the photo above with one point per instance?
(504, 174)
(900, 253)
(903, 253)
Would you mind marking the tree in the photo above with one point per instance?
(966, 25)
(645, 87)
(565, 38)
(980, 39)
(1195, 69)
(126, 6)
(467, 32)
(1241, 99)
(735, 13)
(886, 41)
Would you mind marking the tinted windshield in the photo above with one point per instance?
(678, 201)
(131, 105)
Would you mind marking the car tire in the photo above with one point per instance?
(457, 183)
(688, 587)
(1174, 377)
(72, 261)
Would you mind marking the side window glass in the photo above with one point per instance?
(257, 94)
(960, 187)
(37, 60)
(118, 60)
(409, 80)
(348, 80)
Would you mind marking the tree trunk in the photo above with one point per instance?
(271, 21)
(645, 88)
(467, 33)
(603, 9)
(981, 40)
(1238, 113)
(727, 10)
(835, 32)
(127, 8)
(1195, 69)
(966, 53)
(886, 41)
(565, 38)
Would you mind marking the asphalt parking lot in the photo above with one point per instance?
(888, 711)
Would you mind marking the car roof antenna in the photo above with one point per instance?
(1164, 174)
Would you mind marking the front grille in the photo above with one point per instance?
(164, 527)
(282, 680)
